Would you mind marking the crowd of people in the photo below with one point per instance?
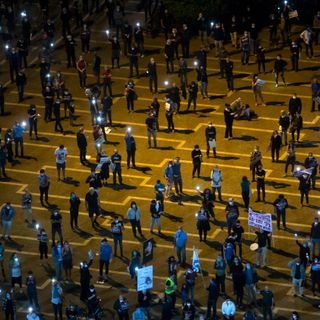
(127, 39)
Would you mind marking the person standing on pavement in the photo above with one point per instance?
(220, 270)
(82, 145)
(57, 115)
(213, 295)
(117, 228)
(250, 280)
(9, 305)
(153, 76)
(239, 231)
(245, 191)
(116, 163)
(121, 306)
(107, 109)
(315, 93)
(17, 132)
(275, 145)
(315, 236)
(196, 156)
(190, 280)
(281, 204)
(278, 69)
(261, 59)
(4, 154)
(211, 133)
(193, 92)
(70, 47)
(32, 291)
(56, 299)
(74, 210)
(2, 252)
(81, 66)
(7, 214)
(48, 95)
(92, 205)
(257, 85)
(228, 119)
(155, 211)
(180, 242)
(168, 174)
(267, 303)
(134, 215)
(169, 55)
(130, 95)
(296, 126)
(203, 224)
(291, 157)
(232, 214)
(105, 258)
(13, 59)
(307, 38)
(298, 274)
(107, 81)
(44, 183)
(216, 182)
(177, 176)
(151, 129)
(262, 238)
(85, 38)
(96, 66)
(228, 71)
(26, 206)
(33, 120)
(312, 163)
(131, 148)
(255, 161)
(238, 279)
(284, 124)
(261, 173)
(304, 188)
(170, 108)
(61, 157)
(133, 55)
(56, 226)
(295, 105)
(115, 52)
(295, 50)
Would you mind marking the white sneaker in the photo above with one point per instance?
(277, 85)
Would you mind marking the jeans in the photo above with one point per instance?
(194, 101)
(152, 133)
(54, 231)
(6, 228)
(196, 168)
(212, 304)
(131, 155)
(315, 242)
(177, 184)
(295, 283)
(190, 290)
(18, 141)
(103, 263)
(117, 239)
(135, 224)
(220, 280)
(157, 221)
(170, 121)
(246, 199)
(262, 252)
(58, 269)
(229, 78)
(281, 214)
(181, 254)
(27, 212)
(261, 187)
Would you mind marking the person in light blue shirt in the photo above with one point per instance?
(17, 132)
(181, 238)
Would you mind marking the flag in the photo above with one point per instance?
(195, 260)
(300, 172)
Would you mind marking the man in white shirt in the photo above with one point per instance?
(61, 156)
(228, 309)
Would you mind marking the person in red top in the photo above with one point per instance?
(82, 70)
(106, 74)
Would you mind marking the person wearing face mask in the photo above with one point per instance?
(188, 311)
(58, 259)
(74, 210)
(216, 182)
(267, 303)
(239, 231)
(56, 226)
(116, 161)
(32, 291)
(245, 191)
(133, 55)
(9, 306)
(281, 204)
(177, 177)
(153, 76)
(67, 260)
(255, 161)
(42, 237)
(296, 126)
(168, 174)
(203, 224)
(15, 271)
(278, 69)
(207, 201)
(232, 214)
(275, 145)
(196, 156)
(7, 214)
(284, 124)
(117, 228)
(121, 306)
(250, 280)
(210, 133)
(312, 162)
(155, 211)
(262, 238)
(295, 105)
(134, 215)
(298, 274)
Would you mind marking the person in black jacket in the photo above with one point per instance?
(296, 125)
(85, 277)
(284, 123)
(133, 55)
(211, 139)
(56, 112)
(21, 81)
(74, 209)
(13, 59)
(153, 77)
(281, 204)
(275, 144)
(106, 109)
(193, 92)
(213, 295)
(304, 252)
(278, 69)
(228, 70)
(169, 55)
(115, 52)
(185, 41)
(71, 51)
(228, 119)
(261, 59)
(82, 145)
(295, 105)
(312, 162)
(196, 155)
(304, 188)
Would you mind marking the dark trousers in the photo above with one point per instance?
(71, 57)
(267, 313)
(83, 152)
(220, 281)
(117, 60)
(170, 121)
(115, 172)
(185, 49)
(281, 214)
(33, 299)
(194, 101)
(275, 151)
(33, 125)
(245, 57)
(153, 81)
(170, 66)
(131, 156)
(214, 189)
(246, 199)
(290, 161)
(55, 230)
(204, 233)
(313, 106)
(20, 92)
(196, 168)
(281, 73)
(293, 132)
(135, 65)
(10, 314)
(43, 250)
(23, 58)
(177, 184)
(302, 194)
(82, 78)
(44, 192)
(239, 244)
(48, 111)
(261, 65)
(107, 85)
(228, 131)
(229, 78)
(74, 218)
(212, 304)
(295, 62)
(261, 187)
(135, 224)
(130, 103)
(18, 142)
(58, 125)
(309, 50)
(103, 263)
(85, 45)
(57, 310)
(107, 116)
(13, 72)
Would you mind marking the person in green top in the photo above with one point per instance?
(267, 303)
(245, 191)
(170, 290)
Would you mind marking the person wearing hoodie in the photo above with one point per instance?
(238, 280)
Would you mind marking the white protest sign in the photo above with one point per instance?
(145, 278)
(260, 220)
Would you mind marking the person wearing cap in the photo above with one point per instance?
(228, 309)
(196, 156)
(131, 148)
